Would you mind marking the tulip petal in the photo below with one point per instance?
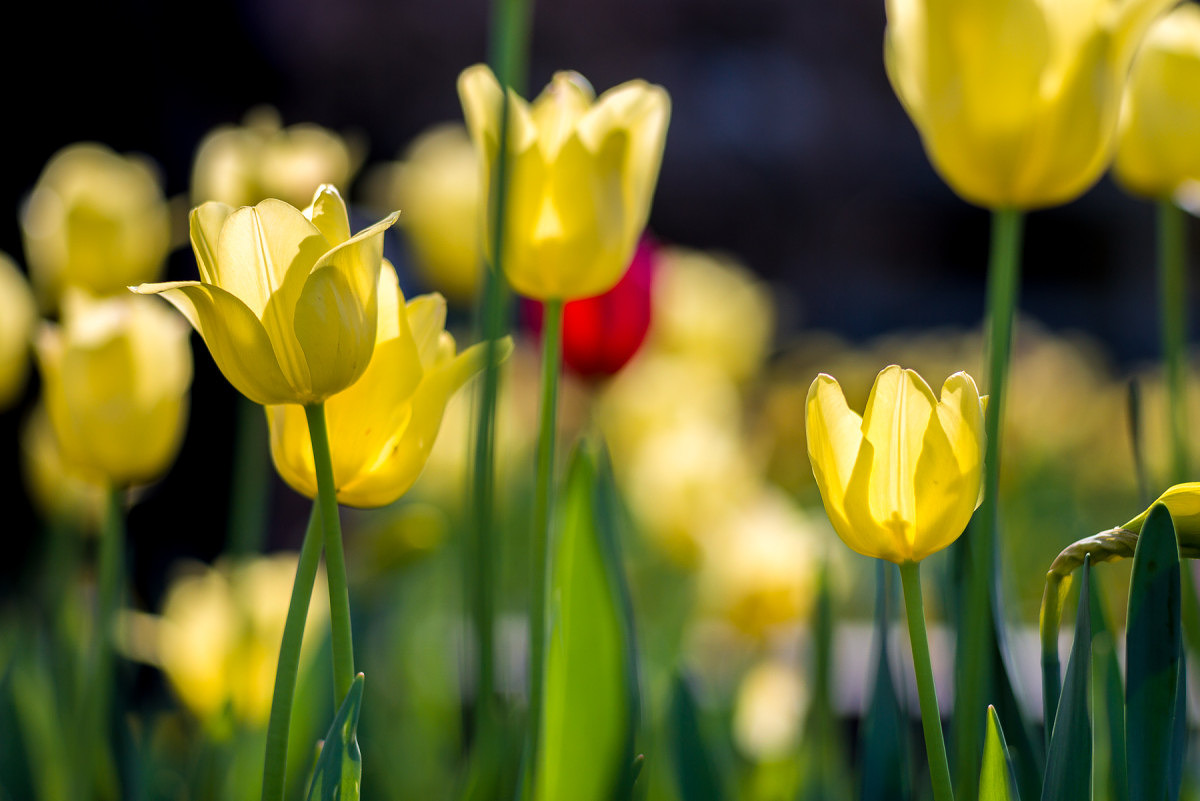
(401, 465)
(291, 448)
(328, 213)
(235, 337)
(834, 434)
(204, 224)
(427, 319)
(558, 109)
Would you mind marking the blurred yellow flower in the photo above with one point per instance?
(382, 428)
(1157, 150)
(772, 700)
(712, 308)
(901, 481)
(219, 636)
(95, 220)
(1016, 101)
(437, 187)
(18, 315)
(116, 377)
(287, 299)
(240, 166)
(59, 491)
(583, 173)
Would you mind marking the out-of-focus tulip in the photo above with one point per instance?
(901, 481)
(218, 639)
(771, 702)
(240, 166)
(1016, 101)
(18, 315)
(287, 299)
(382, 428)
(95, 220)
(437, 187)
(60, 491)
(116, 378)
(1157, 149)
(711, 308)
(601, 334)
(583, 171)
(759, 569)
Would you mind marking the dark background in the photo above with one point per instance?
(787, 148)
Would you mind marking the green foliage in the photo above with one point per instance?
(696, 771)
(338, 770)
(1069, 761)
(996, 782)
(1153, 658)
(885, 730)
(590, 707)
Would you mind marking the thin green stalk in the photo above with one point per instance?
(335, 559)
(250, 481)
(931, 717)
(509, 48)
(543, 493)
(280, 723)
(976, 629)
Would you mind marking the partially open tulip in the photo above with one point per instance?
(1157, 147)
(95, 220)
(901, 481)
(242, 165)
(1016, 101)
(583, 171)
(382, 428)
(116, 376)
(60, 491)
(286, 302)
(18, 314)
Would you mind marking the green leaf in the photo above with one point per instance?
(338, 770)
(590, 704)
(884, 745)
(1069, 761)
(996, 782)
(1153, 650)
(1026, 758)
(695, 770)
(1109, 771)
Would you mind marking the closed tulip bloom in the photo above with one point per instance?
(287, 299)
(18, 314)
(901, 481)
(1158, 146)
(383, 427)
(1016, 101)
(583, 171)
(116, 376)
(95, 220)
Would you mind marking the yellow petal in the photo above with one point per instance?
(235, 337)
(328, 213)
(558, 109)
(291, 448)
(204, 224)
(426, 315)
(834, 434)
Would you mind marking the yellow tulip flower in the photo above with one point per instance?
(583, 172)
(59, 491)
(219, 634)
(18, 314)
(1157, 145)
(1183, 502)
(116, 378)
(1016, 101)
(287, 301)
(383, 427)
(241, 165)
(95, 220)
(901, 481)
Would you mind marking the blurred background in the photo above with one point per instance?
(788, 155)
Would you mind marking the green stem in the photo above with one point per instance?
(99, 686)
(1172, 286)
(931, 718)
(976, 628)
(279, 724)
(543, 492)
(335, 559)
(250, 482)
